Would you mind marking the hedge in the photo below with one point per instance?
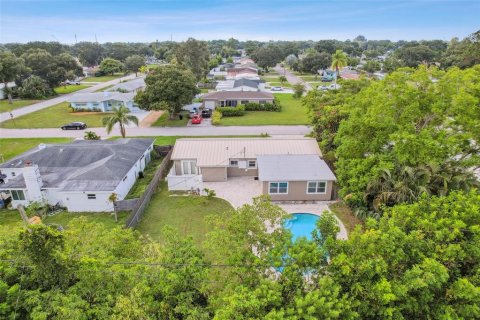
(237, 111)
(216, 117)
(253, 106)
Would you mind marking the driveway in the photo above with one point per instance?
(51, 102)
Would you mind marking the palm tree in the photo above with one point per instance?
(339, 60)
(119, 115)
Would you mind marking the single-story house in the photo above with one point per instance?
(234, 98)
(2, 88)
(289, 169)
(241, 85)
(242, 72)
(80, 176)
(129, 86)
(103, 101)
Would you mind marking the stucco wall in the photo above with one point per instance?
(214, 174)
(79, 202)
(297, 191)
(237, 172)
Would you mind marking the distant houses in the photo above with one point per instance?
(241, 84)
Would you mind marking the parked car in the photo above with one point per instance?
(191, 114)
(327, 78)
(334, 86)
(74, 126)
(206, 113)
(277, 88)
(197, 119)
(322, 88)
(72, 82)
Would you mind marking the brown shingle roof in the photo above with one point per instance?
(238, 95)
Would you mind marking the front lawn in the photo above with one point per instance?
(54, 117)
(103, 78)
(279, 84)
(293, 113)
(311, 78)
(5, 106)
(164, 121)
(70, 88)
(186, 214)
(11, 147)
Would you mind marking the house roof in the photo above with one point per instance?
(245, 82)
(293, 167)
(238, 95)
(241, 70)
(129, 86)
(216, 152)
(82, 165)
(101, 96)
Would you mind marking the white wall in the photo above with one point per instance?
(79, 202)
(183, 182)
(210, 104)
(124, 187)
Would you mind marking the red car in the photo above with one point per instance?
(196, 119)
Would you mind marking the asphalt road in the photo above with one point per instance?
(291, 78)
(160, 131)
(51, 102)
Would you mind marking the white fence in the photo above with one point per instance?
(183, 183)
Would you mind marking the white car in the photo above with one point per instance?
(322, 88)
(334, 86)
(277, 88)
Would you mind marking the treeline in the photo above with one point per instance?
(419, 261)
(393, 141)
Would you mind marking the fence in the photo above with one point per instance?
(143, 202)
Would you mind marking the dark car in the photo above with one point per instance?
(74, 126)
(206, 113)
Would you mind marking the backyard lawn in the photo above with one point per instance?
(293, 113)
(11, 147)
(103, 78)
(70, 88)
(186, 214)
(345, 214)
(164, 121)
(53, 117)
(5, 106)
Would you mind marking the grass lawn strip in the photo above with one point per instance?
(11, 147)
(345, 214)
(53, 117)
(103, 78)
(70, 88)
(5, 106)
(164, 121)
(293, 113)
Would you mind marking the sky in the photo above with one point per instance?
(68, 21)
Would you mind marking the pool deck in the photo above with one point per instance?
(316, 209)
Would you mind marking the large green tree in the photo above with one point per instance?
(133, 63)
(314, 62)
(11, 69)
(267, 56)
(111, 66)
(193, 55)
(90, 53)
(168, 88)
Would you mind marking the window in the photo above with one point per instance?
(231, 103)
(222, 103)
(244, 101)
(278, 188)
(233, 163)
(317, 187)
(80, 105)
(91, 196)
(252, 163)
(189, 167)
(13, 173)
(125, 178)
(262, 101)
(18, 195)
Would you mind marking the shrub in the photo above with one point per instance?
(298, 90)
(90, 135)
(216, 117)
(237, 111)
(34, 88)
(253, 106)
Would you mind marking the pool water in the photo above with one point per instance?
(301, 225)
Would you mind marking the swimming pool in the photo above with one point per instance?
(301, 225)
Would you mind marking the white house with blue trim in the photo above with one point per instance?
(103, 101)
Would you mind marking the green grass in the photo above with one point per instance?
(345, 214)
(10, 219)
(141, 184)
(311, 78)
(164, 121)
(53, 117)
(70, 88)
(11, 147)
(170, 140)
(103, 78)
(5, 106)
(279, 84)
(186, 214)
(292, 113)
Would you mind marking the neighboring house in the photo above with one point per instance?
(288, 169)
(90, 71)
(3, 95)
(234, 98)
(129, 86)
(80, 176)
(241, 85)
(242, 72)
(103, 101)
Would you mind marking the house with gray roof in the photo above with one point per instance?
(285, 169)
(134, 85)
(234, 98)
(241, 85)
(80, 176)
(103, 101)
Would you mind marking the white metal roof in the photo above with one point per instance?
(216, 152)
(293, 167)
(101, 96)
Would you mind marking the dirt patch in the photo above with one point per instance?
(150, 119)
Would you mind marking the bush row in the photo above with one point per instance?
(216, 117)
(71, 109)
(253, 106)
(237, 111)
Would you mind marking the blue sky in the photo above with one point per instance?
(150, 20)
